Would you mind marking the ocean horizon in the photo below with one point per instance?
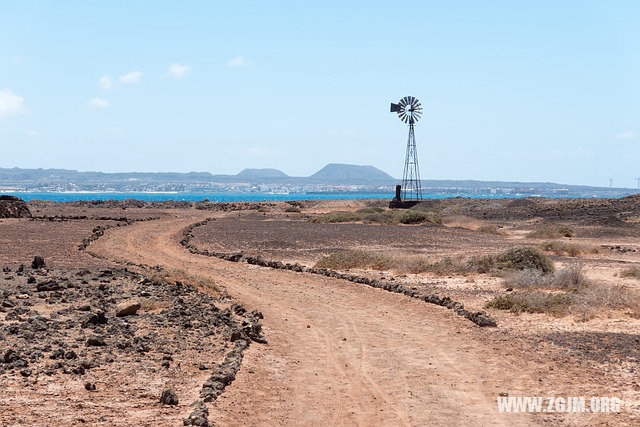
(249, 197)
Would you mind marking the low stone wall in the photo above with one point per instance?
(480, 318)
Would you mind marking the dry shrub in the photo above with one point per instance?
(578, 295)
(491, 229)
(292, 209)
(532, 301)
(568, 249)
(571, 277)
(552, 232)
(631, 272)
(520, 258)
(529, 279)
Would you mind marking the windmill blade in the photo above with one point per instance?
(395, 108)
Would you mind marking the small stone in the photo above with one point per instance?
(89, 386)
(38, 262)
(96, 342)
(169, 397)
(127, 308)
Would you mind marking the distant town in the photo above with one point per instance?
(333, 178)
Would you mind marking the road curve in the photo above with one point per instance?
(338, 353)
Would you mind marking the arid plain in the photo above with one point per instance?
(318, 312)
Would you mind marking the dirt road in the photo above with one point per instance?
(338, 353)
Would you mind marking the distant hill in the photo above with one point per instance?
(262, 173)
(333, 177)
(337, 172)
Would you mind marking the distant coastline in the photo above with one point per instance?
(253, 197)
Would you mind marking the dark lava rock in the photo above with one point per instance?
(31, 279)
(69, 355)
(49, 285)
(57, 354)
(96, 342)
(10, 356)
(89, 386)
(38, 262)
(98, 318)
(13, 207)
(199, 416)
(169, 397)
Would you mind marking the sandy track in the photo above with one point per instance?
(338, 353)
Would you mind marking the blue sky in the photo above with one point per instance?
(544, 90)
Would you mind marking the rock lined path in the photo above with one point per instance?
(338, 353)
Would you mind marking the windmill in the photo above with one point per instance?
(638, 179)
(409, 193)
(610, 182)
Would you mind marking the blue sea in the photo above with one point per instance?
(236, 197)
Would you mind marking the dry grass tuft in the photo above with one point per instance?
(520, 258)
(491, 229)
(552, 232)
(631, 272)
(292, 209)
(575, 294)
(356, 259)
(568, 249)
(532, 301)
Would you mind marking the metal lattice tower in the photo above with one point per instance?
(409, 111)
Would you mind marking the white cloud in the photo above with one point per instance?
(10, 103)
(98, 103)
(178, 70)
(105, 82)
(239, 61)
(131, 77)
(627, 134)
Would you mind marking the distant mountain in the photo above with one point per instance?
(262, 174)
(337, 172)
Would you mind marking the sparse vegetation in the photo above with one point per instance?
(491, 229)
(569, 277)
(552, 232)
(375, 215)
(520, 258)
(572, 293)
(292, 209)
(513, 259)
(532, 301)
(631, 272)
(567, 249)
(355, 259)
